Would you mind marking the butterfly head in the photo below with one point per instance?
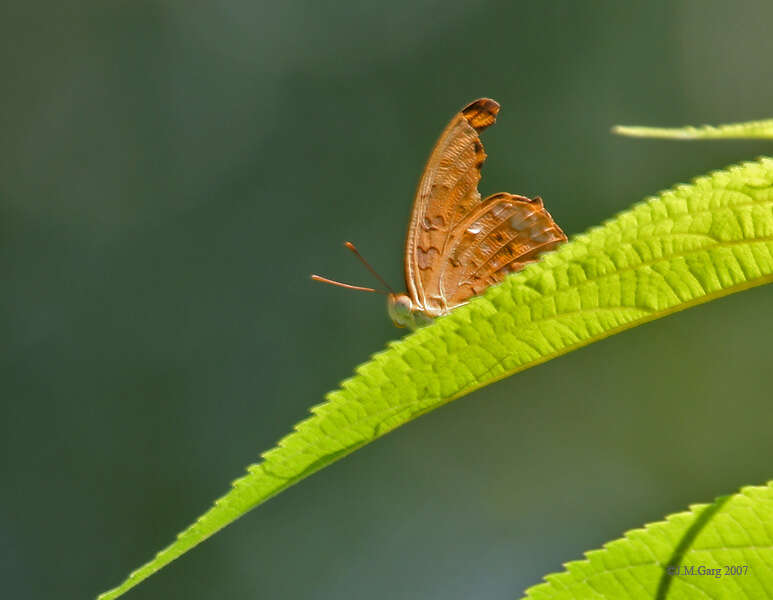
(403, 312)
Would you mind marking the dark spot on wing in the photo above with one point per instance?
(481, 114)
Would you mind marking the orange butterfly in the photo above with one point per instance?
(458, 244)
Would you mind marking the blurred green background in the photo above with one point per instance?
(170, 174)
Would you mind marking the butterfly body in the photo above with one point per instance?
(404, 313)
(459, 244)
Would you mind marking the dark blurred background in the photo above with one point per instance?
(170, 174)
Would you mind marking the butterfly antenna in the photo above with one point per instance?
(346, 285)
(365, 262)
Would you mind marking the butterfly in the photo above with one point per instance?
(459, 244)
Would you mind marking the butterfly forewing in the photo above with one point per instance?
(458, 244)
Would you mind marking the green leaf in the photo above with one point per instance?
(689, 245)
(689, 555)
(748, 130)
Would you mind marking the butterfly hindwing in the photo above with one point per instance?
(504, 235)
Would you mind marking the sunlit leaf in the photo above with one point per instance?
(689, 245)
(747, 130)
(718, 550)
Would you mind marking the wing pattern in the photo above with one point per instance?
(458, 244)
